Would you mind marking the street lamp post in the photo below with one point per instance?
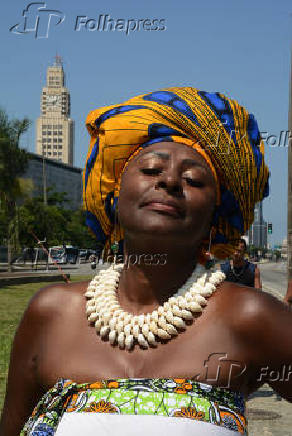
(289, 220)
(44, 182)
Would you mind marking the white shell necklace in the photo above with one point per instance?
(126, 329)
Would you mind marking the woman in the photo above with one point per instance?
(175, 174)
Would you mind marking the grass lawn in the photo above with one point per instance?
(13, 301)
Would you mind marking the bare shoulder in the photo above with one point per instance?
(56, 299)
(246, 294)
(250, 306)
(49, 308)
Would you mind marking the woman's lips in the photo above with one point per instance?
(162, 207)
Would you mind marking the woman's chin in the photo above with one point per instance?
(160, 229)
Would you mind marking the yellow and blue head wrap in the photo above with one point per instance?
(221, 130)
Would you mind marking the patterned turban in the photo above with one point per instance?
(221, 130)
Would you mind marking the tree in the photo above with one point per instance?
(78, 231)
(46, 222)
(53, 222)
(55, 198)
(13, 162)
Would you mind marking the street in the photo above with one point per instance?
(274, 277)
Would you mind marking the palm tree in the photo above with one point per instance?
(13, 162)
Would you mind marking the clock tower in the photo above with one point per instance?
(55, 128)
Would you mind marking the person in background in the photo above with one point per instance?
(98, 253)
(240, 270)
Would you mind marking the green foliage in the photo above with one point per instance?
(3, 227)
(56, 198)
(45, 221)
(78, 231)
(13, 160)
(53, 222)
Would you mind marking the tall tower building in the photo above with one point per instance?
(55, 128)
(257, 234)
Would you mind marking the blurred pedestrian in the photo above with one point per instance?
(240, 270)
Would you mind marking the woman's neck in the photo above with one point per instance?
(238, 263)
(151, 276)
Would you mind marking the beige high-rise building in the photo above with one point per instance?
(55, 128)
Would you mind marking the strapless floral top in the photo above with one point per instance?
(180, 400)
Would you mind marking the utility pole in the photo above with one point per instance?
(289, 221)
(45, 182)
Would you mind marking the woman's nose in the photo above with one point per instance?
(170, 181)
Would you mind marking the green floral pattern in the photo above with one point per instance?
(179, 398)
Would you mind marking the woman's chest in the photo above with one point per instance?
(201, 353)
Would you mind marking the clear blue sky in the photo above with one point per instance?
(239, 48)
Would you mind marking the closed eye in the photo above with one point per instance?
(193, 182)
(151, 171)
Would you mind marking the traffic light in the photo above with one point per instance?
(270, 228)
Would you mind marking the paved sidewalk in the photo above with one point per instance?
(268, 414)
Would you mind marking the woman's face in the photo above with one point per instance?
(167, 190)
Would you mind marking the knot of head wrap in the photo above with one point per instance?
(221, 130)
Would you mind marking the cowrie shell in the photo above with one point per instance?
(163, 334)
(112, 336)
(129, 341)
(142, 341)
(104, 331)
(178, 322)
(121, 340)
(151, 339)
(194, 307)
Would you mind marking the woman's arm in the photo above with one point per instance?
(257, 278)
(24, 388)
(279, 374)
(268, 327)
(288, 296)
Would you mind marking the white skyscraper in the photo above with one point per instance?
(55, 128)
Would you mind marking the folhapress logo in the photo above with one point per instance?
(37, 19)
